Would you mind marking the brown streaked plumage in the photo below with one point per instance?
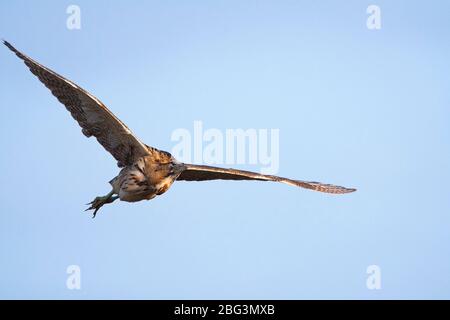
(146, 171)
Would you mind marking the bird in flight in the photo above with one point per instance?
(146, 171)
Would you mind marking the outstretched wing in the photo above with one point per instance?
(201, 173)
(91, 114)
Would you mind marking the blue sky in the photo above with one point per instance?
(357, 107)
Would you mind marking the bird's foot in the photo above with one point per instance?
(98, 202)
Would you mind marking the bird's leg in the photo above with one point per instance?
(98, 202)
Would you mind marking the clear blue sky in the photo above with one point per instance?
(357, 107)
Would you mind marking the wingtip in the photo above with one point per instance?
(9, 45)
(344, 190)
(337, 190)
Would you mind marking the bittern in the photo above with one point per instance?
(146, 171)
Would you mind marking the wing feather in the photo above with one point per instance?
(91, 114)
(202, 173)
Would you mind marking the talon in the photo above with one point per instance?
(98, 202)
